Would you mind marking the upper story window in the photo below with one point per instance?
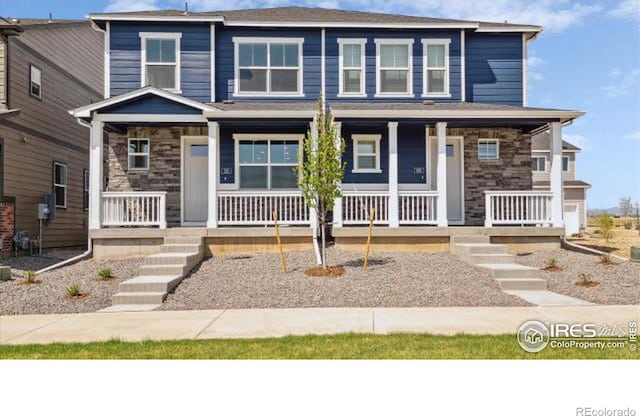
(268, 66)
(366, 153)
(161, 60)
(539, 163)
(436, 67)
(268, 162)
(35, 81)
(138, 154)
(565, 163)
(394, 67)
(352, 67)
(60, 184)
(488, 149)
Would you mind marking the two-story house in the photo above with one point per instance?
(574, 190)
(206, 113)
(46, 67)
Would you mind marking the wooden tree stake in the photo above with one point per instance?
(372, 215)
(282, 260)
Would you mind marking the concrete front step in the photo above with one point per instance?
(140, 298)
(150, 284)
(499, 258)
(180, 248)
(522, 283)
(172, 259)
(183, 240)
(470, 239)
(164, 270)
(480, 248)
(509, 270)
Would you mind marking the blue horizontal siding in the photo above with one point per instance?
(333, 51)
(151, 104)
(195, 57)
(494, 68)
(225, 61)
(411, 153)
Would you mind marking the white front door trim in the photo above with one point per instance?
(459, 139)
(200, 140)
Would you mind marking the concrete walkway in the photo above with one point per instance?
(259, 323)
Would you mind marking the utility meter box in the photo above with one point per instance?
(43, 211)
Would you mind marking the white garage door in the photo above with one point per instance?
(571, 219)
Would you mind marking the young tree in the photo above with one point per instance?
(322, 171)
(625, 207)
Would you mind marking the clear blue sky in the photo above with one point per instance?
(588, 58)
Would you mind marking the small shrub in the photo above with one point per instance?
(628, 225)
(585, 280)
(30, 277)
(552, 264)
(606, 260)
(105, 273)
(73, 291)
(605, 224)
(577, 235)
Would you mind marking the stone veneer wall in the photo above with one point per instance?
(511, 172)
(164, 164)
(7, 226)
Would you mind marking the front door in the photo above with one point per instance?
(454, 178)
(194, 185)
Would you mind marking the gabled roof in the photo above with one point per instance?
(85, 112)
(541, 142)
(314, 17)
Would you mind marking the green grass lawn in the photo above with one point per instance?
(345, 346)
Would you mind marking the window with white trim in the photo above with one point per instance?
(393, 67)
(60, 184)
(138, 154)
(539, 163)
(268, 66)
(352, 67)
(85, 189)
(268, 163)
(161, 60)
(436, 67)
(565, 163)
(366, 153)
(488, 149)
(35, 81)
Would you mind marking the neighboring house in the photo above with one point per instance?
(574, 191)
(206, 113)
(47, 67)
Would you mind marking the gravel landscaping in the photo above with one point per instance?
(392, 280)
(48, 258)
(619, 284)
(49, 296)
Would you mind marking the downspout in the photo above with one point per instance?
(89, 245)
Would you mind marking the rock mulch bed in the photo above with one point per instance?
(49, 296)
(392, 280)
(619, 284)
(48, 258)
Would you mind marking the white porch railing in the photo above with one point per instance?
(125, 209)
(356, 207)
(418, 207)
(256, 208)
(517, 208)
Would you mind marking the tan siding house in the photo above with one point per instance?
(52, 67)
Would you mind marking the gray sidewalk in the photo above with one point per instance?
(259, 323)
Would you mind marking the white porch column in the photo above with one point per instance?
(313, 217)
(557, 208)
(212, 174)
(441, 185)
(337, 205)
(394, 218)
(95, 175)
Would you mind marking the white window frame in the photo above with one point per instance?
(147, 153)
(32, 67)
(496, 141)
(238, 137)
(86, 178)
(409, 44)
(61, 185)
(362, 68)
(355, 138)
(545, 163)
(425, 68)
(143, 51)
(237, 41)
(568, 162)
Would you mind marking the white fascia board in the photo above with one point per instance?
(516, 29)
(456, 114)
(356, 25)
(151, 18)
(220, 114)
(150, 118)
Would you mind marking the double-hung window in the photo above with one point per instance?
(161, 60)
(85, 188)
(268, 66)
(35, 81)
(488, 149)
(138, 154)
(366, 153)
(436, 67)
(60, 184)
(539, 163)
(352, 67)
(393, 67)
(565, 163)
(268, 162)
